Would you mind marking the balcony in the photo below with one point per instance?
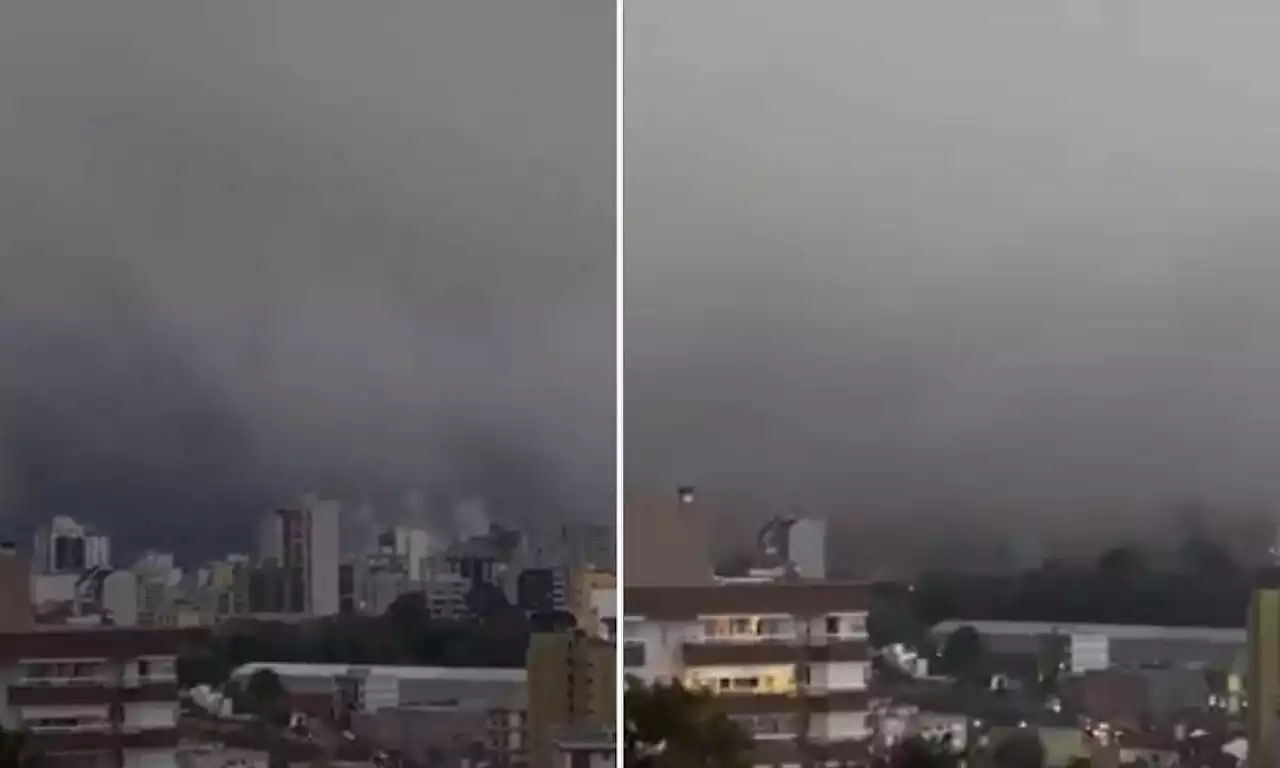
(88, 692)
(773, 652)
(48, 742)
(780, 703)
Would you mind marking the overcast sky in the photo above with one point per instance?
(256, 247)
(992, 258)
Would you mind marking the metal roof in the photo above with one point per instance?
(1110, 631)
(476, 674)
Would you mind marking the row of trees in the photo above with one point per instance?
(1203, 586)
(498, 636)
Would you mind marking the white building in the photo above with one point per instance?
(413, 544)
(762, 646)
(65, 546)
(60, 685)
(795, 545)
(304, 543)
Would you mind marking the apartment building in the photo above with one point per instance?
(65, 546)
(587, 589)
(303, 544)
(790, 659)
(94, 692)
(572, 684)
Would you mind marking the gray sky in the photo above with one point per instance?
(998, 258)
(252, 247)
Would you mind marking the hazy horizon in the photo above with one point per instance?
(1003, 263)
(260, 248)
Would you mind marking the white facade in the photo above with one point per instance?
(320, 521)
(120, 598)
(324, 553)
(49, 720)
(415, 546)
(446, 595)
(51, 588)
(1089, 653)
(93, 549)
(807, 546)
(661, 645)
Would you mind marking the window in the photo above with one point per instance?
(802, 674)
(833, 625)
(740, 627)
(772, 628)
(633, 654)
(855, 624)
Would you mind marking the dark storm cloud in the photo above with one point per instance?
(251, 248)
(1003, 260)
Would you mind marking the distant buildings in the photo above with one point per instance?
(303, 544)
(65, 546)
(305, 566)
(793, 545)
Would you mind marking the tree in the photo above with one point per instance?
(1020, 749)
(964, 654)
(15, 749)
(919, 752)
(266, 694)
(268, 699)
(670, 726)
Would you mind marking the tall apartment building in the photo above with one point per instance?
(572, 684)
(585, 589)
(65, 546)
(412, 544)
(302, 542)
(83, 692)
(16, 614)
(1263, 678)
(542, 590)
(790, 659)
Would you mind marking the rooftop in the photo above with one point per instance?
(471, 674)
(676, 603)
(1110, 631)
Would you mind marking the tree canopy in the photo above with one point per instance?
(407, 633)
(670, 726)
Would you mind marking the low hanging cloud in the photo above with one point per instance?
(1007, 264)
(256, 248)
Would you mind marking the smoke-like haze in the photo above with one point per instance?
(255, 247)
(999, 259)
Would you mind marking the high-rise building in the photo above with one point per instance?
(16, 613)
(1263, 678)
(412, 544)
(572, 681)
(65, 546)
(793, 545)
(302, 542)
(584, 586)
